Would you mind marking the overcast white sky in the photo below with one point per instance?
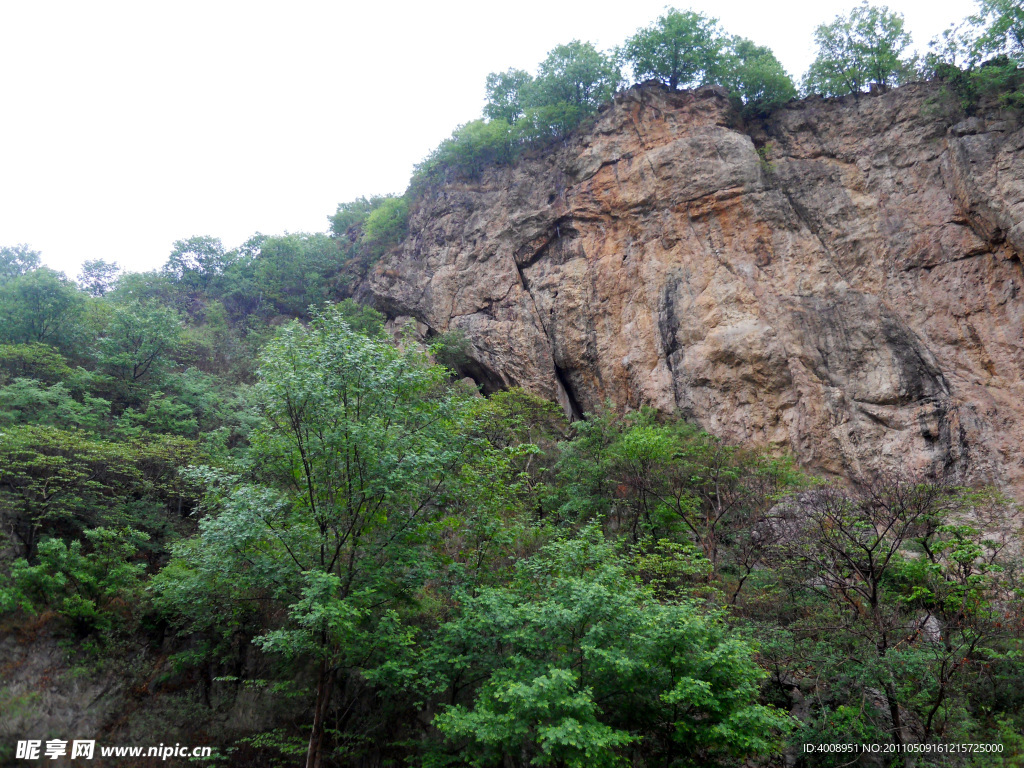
(128, 125)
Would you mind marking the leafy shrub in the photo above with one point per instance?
(576, 660)
(33, 361)
(90, 589)
(471, 148)
(387, 224)
(451, 348)
(371, 226)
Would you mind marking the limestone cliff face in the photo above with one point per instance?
(842, 279)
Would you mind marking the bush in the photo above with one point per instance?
(387, 224)
(471, 148)
(451, 349)
(578, 665)
(33, 361)
(88, 589)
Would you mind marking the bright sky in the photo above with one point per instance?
(128, 125)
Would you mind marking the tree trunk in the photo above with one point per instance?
(325, 685)
(898, 734)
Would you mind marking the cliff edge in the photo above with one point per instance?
(842, 279)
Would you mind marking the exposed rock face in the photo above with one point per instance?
(842, 279)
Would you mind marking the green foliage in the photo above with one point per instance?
(523, 111)
(999, 81)
(41, 306)
(752, 73)
(28, 401)
(366, 229)
(540, 125)
(578, 662)
(471, 148)
(144, 287)
(97, 276)
(138, 342)
(907, 629)
(842, 725)
(357, 445)
(854, 51)
(54, 480)
(196, 262)
(361, 318)
(386, 225)
(450, 579)
(60, 481)
(366, 426)
(954, 49)
(645, 479)
(352, 214)
(33, 361)
(682, 49)
(1002, 25)
(451, 348)
(958, 57)
(92, 590)
(16, 261)
(576, 74)
(292, 272)
(506, 95)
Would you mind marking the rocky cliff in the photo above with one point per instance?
(841, 279)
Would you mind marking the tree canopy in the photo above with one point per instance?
(866, 47)
(682, 49)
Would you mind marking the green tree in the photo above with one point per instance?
(26, 401)
(907, 595)
(98, 276)
(33, 361)
(386, 225)
(55, 481)
(196, 262)
(293, 272)
(367, 228)
(1002, 22)
(138, 343)
(753, 73)
(92, 589)
(955, 47)
(575, 664)
(41, 306)
(539, 126)
(648, 480)
(682, 49)
(576, 74)
(361, 318)
(358, 446)
(144, 287)
(506, 93)
(868, 46)
(352, 214)
(17, 260)
(470, 149)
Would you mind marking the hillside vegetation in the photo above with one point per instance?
(273, 526)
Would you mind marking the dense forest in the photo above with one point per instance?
(293, 531)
